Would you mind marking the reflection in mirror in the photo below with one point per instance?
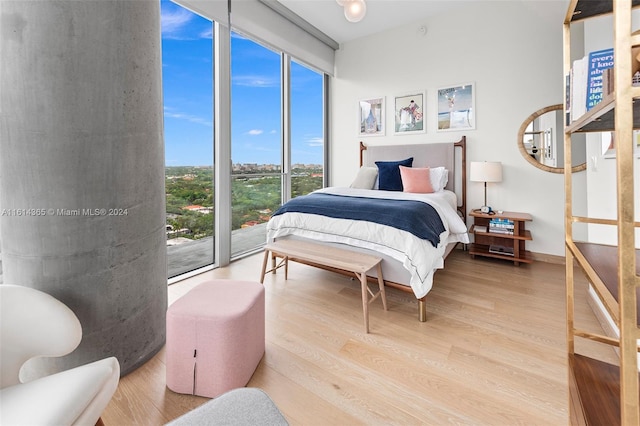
(541, 141)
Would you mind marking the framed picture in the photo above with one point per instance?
(457, 108)
(371, 117)
(409, 112)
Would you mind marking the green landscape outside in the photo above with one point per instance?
(255, 196)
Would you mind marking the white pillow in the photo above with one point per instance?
(439, 178)
(366, 178)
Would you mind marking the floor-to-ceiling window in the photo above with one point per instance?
(276, 144)
(277, 140)
(256, 141)
(187, 48)
(307, 134)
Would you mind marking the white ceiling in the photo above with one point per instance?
(328, 16)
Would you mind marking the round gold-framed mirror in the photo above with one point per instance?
(541, 141)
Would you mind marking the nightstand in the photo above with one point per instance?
(501, 235)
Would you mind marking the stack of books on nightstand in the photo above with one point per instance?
(501, 226)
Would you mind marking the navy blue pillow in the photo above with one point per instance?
(389, 178)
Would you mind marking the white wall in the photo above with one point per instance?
(512, 51)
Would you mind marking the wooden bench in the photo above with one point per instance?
(315, 254)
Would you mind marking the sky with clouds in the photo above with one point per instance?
(187, 70)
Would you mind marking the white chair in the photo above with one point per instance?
(35, 324)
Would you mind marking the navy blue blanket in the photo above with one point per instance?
(416, 217)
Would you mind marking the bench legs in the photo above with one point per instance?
(361, 276)
(264, 266)
(366, 292)
(284, 262)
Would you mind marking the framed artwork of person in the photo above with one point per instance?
(409, 113)
(457, 107)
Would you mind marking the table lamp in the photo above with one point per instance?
(486, 171)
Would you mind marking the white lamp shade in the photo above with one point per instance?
(354, 10)
(485, 171)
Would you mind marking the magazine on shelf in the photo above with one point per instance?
(501, 231)
(478, 228)
(496, 249)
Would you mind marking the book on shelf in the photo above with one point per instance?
(567, 99)
(607, 83)
(478, 228)
(598, 62)
(501, 226)
(578, 89)
(502, 223)
(587, 83)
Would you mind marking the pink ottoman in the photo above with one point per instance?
(215, 337)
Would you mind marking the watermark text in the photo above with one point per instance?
(65, 212)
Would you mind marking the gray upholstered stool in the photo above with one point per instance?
(243, 406)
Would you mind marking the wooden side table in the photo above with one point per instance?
(508, 246)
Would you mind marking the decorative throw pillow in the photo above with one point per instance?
(366, 178)
(417, 180)
(439, 178)
(389, 174)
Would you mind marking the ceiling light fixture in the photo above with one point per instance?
(354, 10)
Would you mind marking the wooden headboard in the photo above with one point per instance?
(451, 155)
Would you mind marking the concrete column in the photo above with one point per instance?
(82, 167)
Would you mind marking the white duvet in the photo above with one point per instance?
(418, 256)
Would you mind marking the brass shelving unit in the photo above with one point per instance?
(601, 393)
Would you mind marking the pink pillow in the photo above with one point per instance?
(415, 179)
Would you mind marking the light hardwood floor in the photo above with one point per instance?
(492, 351)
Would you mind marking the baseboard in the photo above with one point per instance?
(606, 322)
(603, 317)
(549, 258)
(539, 257)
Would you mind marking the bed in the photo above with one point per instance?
(411, 230)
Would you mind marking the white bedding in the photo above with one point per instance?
(418, 256)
